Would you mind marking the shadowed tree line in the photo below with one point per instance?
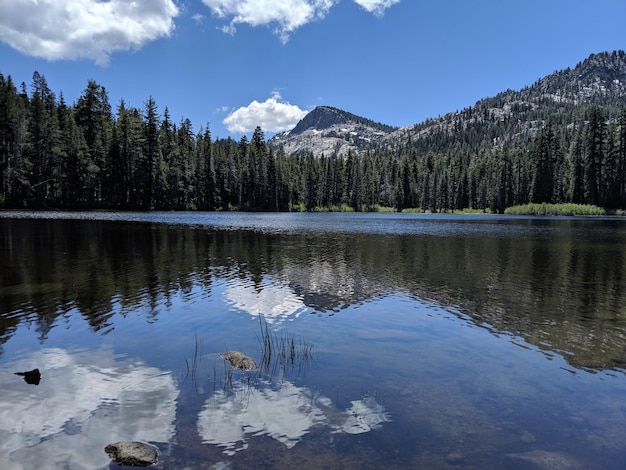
(89, 156)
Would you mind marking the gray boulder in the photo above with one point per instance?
(239, 360)
(132, 453)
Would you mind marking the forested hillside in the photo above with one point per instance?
(562, 139)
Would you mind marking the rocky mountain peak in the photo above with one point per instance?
(322, 117)
(331, 131)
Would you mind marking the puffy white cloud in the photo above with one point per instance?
(287, 15)
(272, 115)
(72, 29)
(377, 7)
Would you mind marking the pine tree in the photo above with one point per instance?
(13, 124)
(577, 171)
(206, 175)
(167, 137)
(544, 154)
(259, 170)
(73, 151)
(123, 153)
(42, 146)
(93, 116)
(187, 165)
(594, 154)
(621, 156)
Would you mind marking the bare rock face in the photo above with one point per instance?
(132, 453)
(239, 360)
(331, 131)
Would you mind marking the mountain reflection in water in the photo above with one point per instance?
(557, 284)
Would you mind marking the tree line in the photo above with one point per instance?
(89, 156)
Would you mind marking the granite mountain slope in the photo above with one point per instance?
(331, 131)
(512, 115)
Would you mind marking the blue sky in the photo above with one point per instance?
(236, 64)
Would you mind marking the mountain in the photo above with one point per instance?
(511, 116)
(560, 140)
(517, 116)
(331, 131)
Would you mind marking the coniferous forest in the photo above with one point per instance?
(90, 155)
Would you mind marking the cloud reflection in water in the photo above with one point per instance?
(85, 401)
(276, 301)
(284, 412)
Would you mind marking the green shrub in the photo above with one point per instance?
(568, 209)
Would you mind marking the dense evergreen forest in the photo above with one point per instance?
(89, 156)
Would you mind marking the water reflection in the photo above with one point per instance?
(558, 284)
(86, 400)
(281, 411)
(276, 301)
(447, 323)
(364, 415)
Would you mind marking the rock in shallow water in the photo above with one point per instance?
(543, 460)
(132, 453)
(239, 360)
(32, 377)
(455, 458)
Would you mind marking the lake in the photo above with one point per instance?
(382, 340)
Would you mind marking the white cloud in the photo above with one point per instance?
(377, 7)
(198, 18)
(272, 115)
(72, 29)
(287, 15)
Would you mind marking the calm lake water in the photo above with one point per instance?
(384, 341)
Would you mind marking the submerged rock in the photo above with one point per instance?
(527, 437)
(239, 360)
(455, 458)
(132, 453)
(543, 460)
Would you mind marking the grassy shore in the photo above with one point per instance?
(560, 209)
(542, 209)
